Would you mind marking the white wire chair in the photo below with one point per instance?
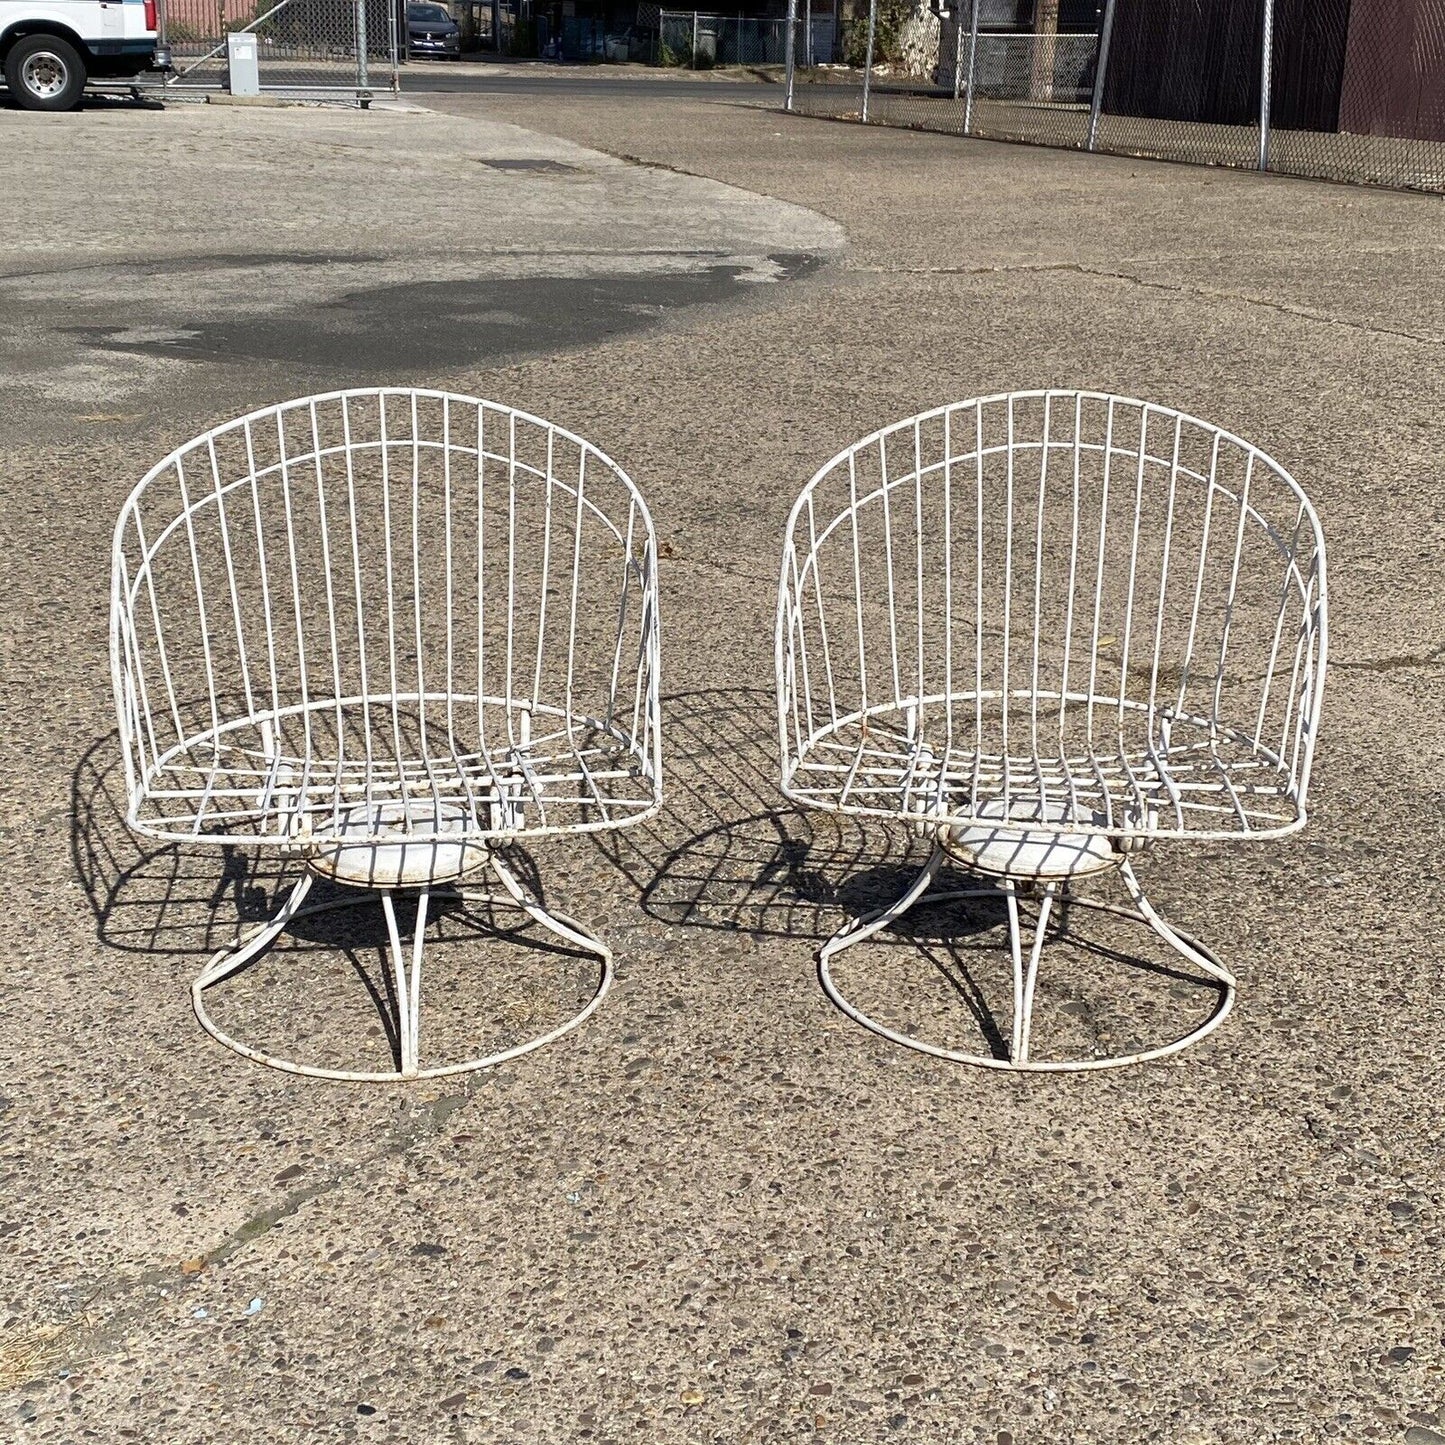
(1049, 629)
(390, 632)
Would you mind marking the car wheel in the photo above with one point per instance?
(45, 72)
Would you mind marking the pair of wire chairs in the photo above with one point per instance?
(393, 632)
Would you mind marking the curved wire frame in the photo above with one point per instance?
(1101, 615)
(386, 611)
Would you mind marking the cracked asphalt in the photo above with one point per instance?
(721, 1212)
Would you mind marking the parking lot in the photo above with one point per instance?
(721, 1212)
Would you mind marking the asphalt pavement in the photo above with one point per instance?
(721, 1211)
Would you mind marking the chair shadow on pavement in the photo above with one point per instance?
(191, 901)
(150, 897)
(729, 854)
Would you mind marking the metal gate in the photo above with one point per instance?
(322, 48)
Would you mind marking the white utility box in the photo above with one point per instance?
(245, 73)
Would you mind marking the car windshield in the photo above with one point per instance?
(427, 14)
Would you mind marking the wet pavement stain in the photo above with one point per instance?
(449, 323)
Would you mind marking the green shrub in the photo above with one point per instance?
(892, 16)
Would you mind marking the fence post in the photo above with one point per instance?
(163, 39)
(391, 49)
(972, 67)
(808, 35)
(1266, 84)
(790, 57)
(868, 58)
(693, 62)
(363, 78)
(1101, 65)
(957, 48)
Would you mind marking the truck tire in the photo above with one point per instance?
(45, 72)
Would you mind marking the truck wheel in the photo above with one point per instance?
(45, 72)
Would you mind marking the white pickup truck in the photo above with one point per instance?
(50, 48)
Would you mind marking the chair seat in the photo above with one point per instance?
(1011, 852)
(379, 845)
(1204, 783)
(269, 781)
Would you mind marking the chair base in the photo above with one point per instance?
(406, 975)
(1026, 966)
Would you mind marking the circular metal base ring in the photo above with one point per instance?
(216, 970)
(1171, 935)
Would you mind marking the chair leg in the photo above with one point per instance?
(858, 929)
(228, 960)
(1180, 942)
(565, 927)
(1026, 981)
(408, 989)
(870, 923)
(406, 971)
(1026, 966)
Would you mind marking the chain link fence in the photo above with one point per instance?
(1344, 90)
(322, 48)
(700, 41)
